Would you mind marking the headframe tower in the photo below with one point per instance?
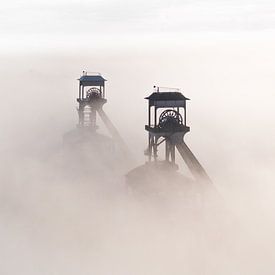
(91, 98)
(167, 123)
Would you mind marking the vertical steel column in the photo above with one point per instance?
(155, 148)
(82, 92)
(184, 114)
(155, 121)
(167, 150)
(79, 91)
(173, 155)
(81, 115)
(149, 148)
(149, 115)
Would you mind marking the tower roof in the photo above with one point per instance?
(165, 96)
(92, 80)
(167, 99)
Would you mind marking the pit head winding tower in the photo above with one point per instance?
(91, 98)
(167, 124)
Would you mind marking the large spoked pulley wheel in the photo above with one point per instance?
(170, 119)
(94, 93)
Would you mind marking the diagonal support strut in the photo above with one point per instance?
(114, 132)
(192, 163)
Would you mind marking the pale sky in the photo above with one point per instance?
(27, 21)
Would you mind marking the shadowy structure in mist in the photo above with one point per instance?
(88, 150)
(169, 128)
(57, 219)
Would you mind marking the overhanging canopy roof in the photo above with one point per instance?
(167, 99)
(159, 96)
(91, 80)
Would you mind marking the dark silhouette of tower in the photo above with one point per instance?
(91, 98)
(167, 124)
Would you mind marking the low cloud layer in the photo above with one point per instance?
(59, 217)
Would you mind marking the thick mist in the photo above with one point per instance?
(58, 218)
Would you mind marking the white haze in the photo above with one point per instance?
(56, 220)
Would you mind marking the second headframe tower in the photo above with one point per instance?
(91, 98)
